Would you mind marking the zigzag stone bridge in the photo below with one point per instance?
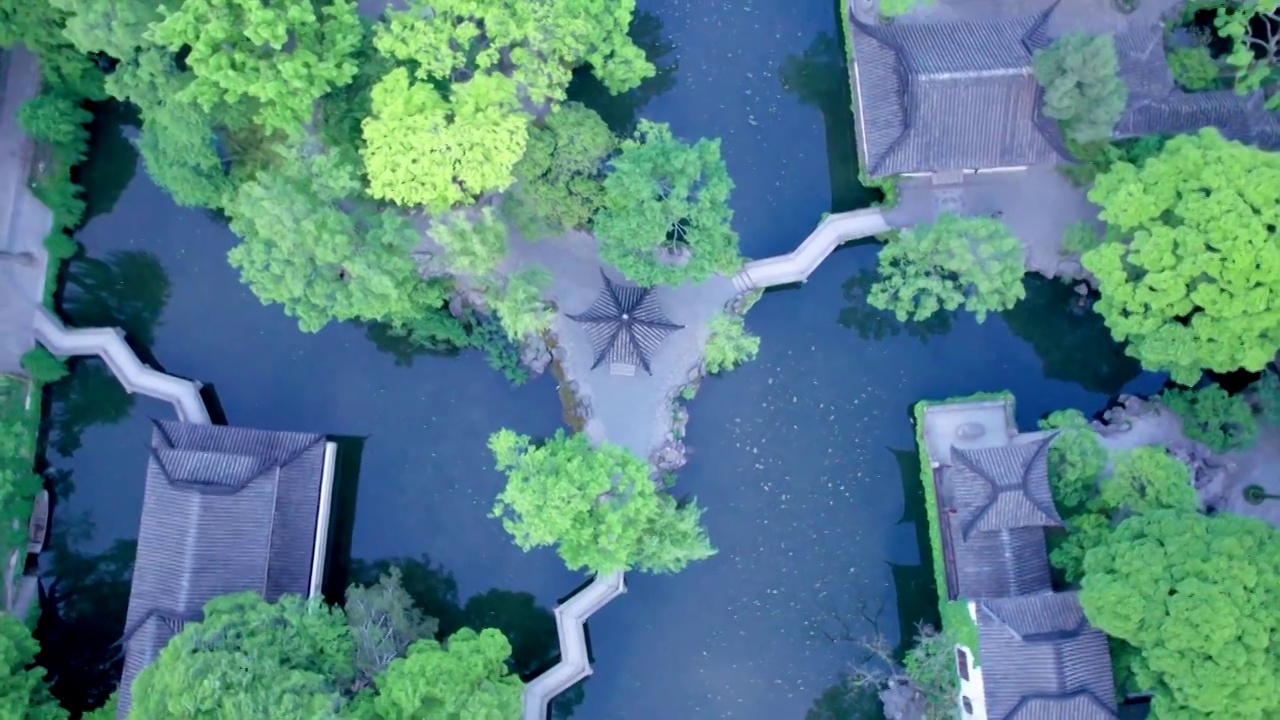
(797, 265)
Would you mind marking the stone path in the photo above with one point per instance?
(574, 665)
(797, 265)
(24, 221)
(109, 344)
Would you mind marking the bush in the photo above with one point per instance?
(1080, 238)
(728, 344)
(519, 305)
(1193, 68)
(1076, 459)
(42, 366)
(500, 351)
(1221, 421)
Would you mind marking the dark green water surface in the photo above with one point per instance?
(803, 458)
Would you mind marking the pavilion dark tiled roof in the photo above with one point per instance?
(1041, 660)
(625, 324)
(225, 510)
(949, 96)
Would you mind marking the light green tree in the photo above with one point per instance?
(251, 658)
(115, 27)
(1196, 596)
(279, 57)
(728, 344)
(473, 245)
(969, 262)
(1147, 479)
(663, 196)
(1255, 54)
(1208, 414)
(560, 179)
(1076, 460)
(596, 505)
(466, 677)
(423, 148)
(23, 693)
(1189, 283)
(323, 262)
(1082, 86)
(535, 44)
(1085, 531)
(43, 366)
(1193, 67)
(519, 305)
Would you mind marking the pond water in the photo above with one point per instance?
(803, 458)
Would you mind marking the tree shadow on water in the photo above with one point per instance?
(1072, 342)
(872, 323)
(819, 77)
(621, 112)
(112, 160)
(531, 628)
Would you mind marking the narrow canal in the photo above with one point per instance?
(802, 458)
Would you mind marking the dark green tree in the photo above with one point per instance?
(560, 178)
(1208, 414)
(1082, 86)
(23, 693)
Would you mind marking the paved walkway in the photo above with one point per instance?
(24, 221)
(797, 265)
(574, 665)
(132, 373)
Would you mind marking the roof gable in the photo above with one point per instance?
(1003, 487)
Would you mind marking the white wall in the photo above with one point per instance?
(973, 687)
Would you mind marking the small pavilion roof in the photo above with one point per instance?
(626, 324)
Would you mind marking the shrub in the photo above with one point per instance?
(1076, 459)
(42, 366)
(1193, 68)
(728, 344)
(1221, 421)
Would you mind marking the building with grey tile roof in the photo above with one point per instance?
(1042, 660)
(225, 510)
(625, 324)
(950, 96)
(996, 504)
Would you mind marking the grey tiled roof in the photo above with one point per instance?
(1041, 660)
(225, 510)
(948, 96)
(1003, 488)
(625, 324)
(1001, 564)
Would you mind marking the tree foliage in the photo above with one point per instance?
(384, 623)
(1208, 414)
(1193, 67)
(1076, 460)
(1196, 596)
(665, 218)
(426, 148)
(1082, 86)
(1192, 284)
(1253, 28)
(43, 366)
(535, 44)
(1266, 397)
(23, 693)
(319, 260)
(467, 677)
(276, 58)
(597, 505)
(560, 179)
(969, 262)
(518, 304)
(38, 26)
(1147, 479)
(728, 344)
(474, 243)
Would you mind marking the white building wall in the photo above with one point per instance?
(973, 687)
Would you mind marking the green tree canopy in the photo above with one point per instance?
(1082, 87)
(597, 505)
(467, 677)
(728, 344)
(474, 242)
(423, 148)
(23, 693)
(969, 262)
(1197, 597)
(322, 261)
(251, 658)
(1147, 479)
(560, 179)
(281, 57)
(1221, 421)
(1076, 459)
(663, 196)
(535, 44)
(1253, 28)
(1193, 283)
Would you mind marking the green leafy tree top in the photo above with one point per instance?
(1208, 414)
(1253, 27)
(597, 505)
(969, 262)
(43, 366)
(560, 179)
(536, 44)
(1147, 479)
(1082, 87)
(474, 243)
(663, 196)
(281, 56)
(466, 677)
(728, 344)
(1188, 285)
(1076, 459)
(23, 693)
(1197, 597)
